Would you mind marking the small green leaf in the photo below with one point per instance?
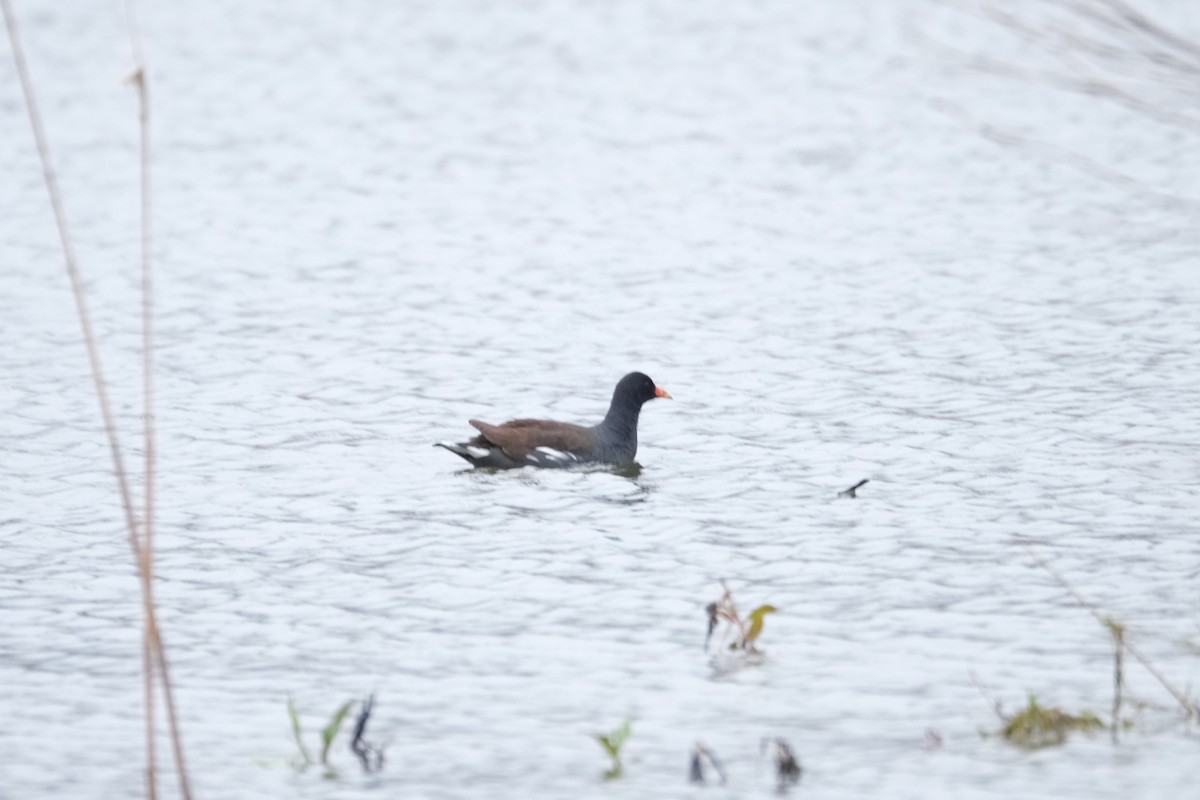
(606, 743)
(612, 744)
(622, 733)
(331, 730)
(756, 621)
(295, 716)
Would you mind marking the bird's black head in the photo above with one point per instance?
(620, 423)
(637, 388)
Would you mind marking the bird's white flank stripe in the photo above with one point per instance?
(556, 455)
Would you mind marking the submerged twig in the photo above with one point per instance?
(370, 756)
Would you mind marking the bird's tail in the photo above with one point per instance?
(465, 451)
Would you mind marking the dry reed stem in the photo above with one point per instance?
(1068, 45)
(1103, 48)
(1068, 157)
(152, 637)
(85, 321)
(1189, 708)
(1107, 50)
(728, 611)
(148, 702)
(138, 79)
(1152, 30)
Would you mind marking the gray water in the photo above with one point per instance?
(375, 221)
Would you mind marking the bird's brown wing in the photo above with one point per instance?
(520, 437)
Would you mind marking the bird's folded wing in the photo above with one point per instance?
(521, 437)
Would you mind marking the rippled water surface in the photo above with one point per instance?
(375, 221)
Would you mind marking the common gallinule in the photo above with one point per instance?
(542, 443)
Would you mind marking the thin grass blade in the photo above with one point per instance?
(295, 717)
(330, 731)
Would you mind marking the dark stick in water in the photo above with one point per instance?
(362, 749)
(853, 490)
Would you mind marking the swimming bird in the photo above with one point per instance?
(544, 443)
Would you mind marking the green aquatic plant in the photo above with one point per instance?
(328, 734)
(725, 610)
(756, 624)
(330, 731)
(297, 734)
(612, 744)
(1036, 726)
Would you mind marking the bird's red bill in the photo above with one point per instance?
(661, 392)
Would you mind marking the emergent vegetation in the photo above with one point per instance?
(328, 734)
(1035, 726)
(612, 744)
(744, 635)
